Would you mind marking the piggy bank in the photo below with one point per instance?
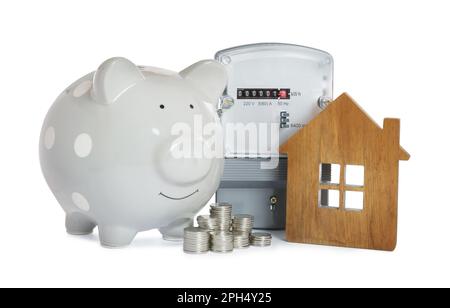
(112, 154)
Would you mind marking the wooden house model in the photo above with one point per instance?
(343, 179)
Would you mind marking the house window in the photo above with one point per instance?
(354, 200)
(330, 174)
(329, 198)
(341, 187)
(354, 175)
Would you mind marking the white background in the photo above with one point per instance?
(393, 57)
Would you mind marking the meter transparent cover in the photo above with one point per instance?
(273, 91)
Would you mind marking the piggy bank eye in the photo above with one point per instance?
(191, 106)
(161, 106)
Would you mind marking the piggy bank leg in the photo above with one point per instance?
(175, 230)
(116, 237)
(79, 224)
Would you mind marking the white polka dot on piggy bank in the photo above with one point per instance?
(112, 151)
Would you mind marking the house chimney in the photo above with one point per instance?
(391, 131)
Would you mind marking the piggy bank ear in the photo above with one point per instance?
(113, 78)
(208, 76)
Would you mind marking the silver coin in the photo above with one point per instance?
(222, 241)
(208, 222)
(193, 244)
(197, 234)
(242, 227)
(221, 205)
(193, 238)
(196, 243)
(206, 218)
(222, 213)
(218, 234)
(241, 239)
(196, 240)
(237, 223)
(261, 235)
(195, 252)
(238, 245)
(194, 230)
(222, 250)
(240, 233)
(195, 249)
(261, 239)
(243, 222)
(243, 217)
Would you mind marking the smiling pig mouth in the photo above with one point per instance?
(181, 198)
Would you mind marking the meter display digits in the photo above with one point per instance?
(263, 93)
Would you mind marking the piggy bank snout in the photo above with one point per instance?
(183, 162)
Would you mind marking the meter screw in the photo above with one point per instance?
(226, 102)
(273, 202)
(324, 101)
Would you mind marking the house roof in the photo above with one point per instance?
(338, 103)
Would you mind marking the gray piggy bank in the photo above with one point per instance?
(112, 153)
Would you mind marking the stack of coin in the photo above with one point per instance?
(261, 239)
(222, 212)
(222, 241)
(196, 240)
(207, 222)
(241, 239)
(243, 223)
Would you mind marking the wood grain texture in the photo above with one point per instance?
(344, 134)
